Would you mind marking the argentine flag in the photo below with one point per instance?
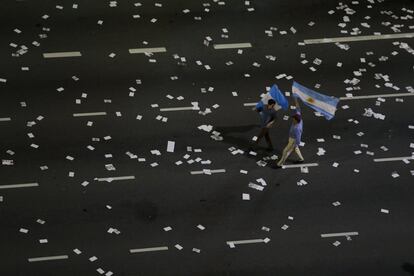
(325, 105)
(275, 94)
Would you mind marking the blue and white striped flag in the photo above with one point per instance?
(325, 105)
(275, 94)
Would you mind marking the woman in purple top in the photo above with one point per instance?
(295, 134)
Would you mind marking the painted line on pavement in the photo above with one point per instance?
(115, 178)
(390, 159)
(179, 108)
(249, 104)
(149, 249)
(89, 114)
(48, 258)
(357, 38)
(300, 165)
(147, 50)
(62, 54)
(208, 171)
(5, 119)
(344, 234)
(233, 244)
(23, 185)
(377, 96)
(232, 46)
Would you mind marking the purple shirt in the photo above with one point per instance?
(296, 130)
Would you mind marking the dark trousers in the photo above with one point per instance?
(264, 132)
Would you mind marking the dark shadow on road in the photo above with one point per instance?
(408, 267)
(238, 142)
(230, 137)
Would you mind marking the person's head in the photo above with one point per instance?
(296, 118)
(271, 103)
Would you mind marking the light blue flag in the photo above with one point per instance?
(275, 94)
(326, 105)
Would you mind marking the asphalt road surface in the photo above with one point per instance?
(99, 178)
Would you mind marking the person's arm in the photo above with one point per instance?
(258, 109)
(298, 110)
(272, 119)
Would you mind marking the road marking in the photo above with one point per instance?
(49, 258)
(115, 178)
(232, 244)
(377, 96)
(149, 249)
(300, 165)
(232, 46)
(208, 171)
(5, 119)
(147, 50)
(249, 104)
(344, 234)
(179, 108)
(394, 159)
(357, 38)
(89, 114)
(24, 185)
(62, 54)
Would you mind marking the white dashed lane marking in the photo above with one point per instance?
(343, 234)
(23, 185)
(115, 178)
(390, 159)
(357, 38)
(232, 46)
(207, 171)
(49, 258)
(89, 114)
(62, 54)
(147, 50)
(232, 244)
(179, 108)
(149, 249)
(300, 165)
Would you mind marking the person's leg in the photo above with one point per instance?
(298, 153)
(261, 134)
(286, 151)
(269, 142)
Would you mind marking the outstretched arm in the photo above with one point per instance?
(297, 105)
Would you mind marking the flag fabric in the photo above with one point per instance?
(326, 105)
(275, 94)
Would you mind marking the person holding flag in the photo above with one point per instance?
(323, 104)
(295, 135)
(268, 116)
(267, 108)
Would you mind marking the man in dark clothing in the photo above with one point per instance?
(268, 117)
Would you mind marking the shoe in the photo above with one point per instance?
(275, 166)
(299, 162)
